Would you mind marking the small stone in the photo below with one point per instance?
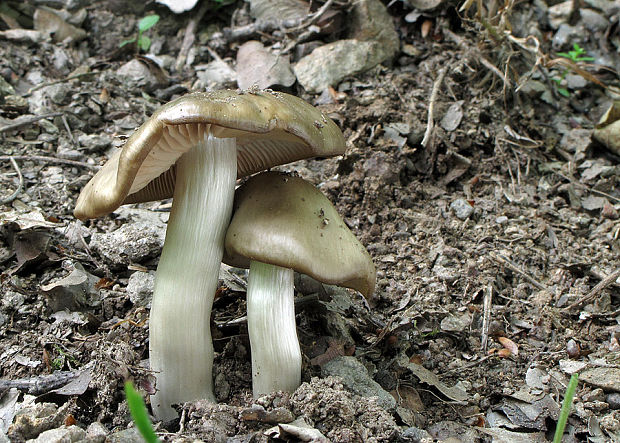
(356, 378)
(461, 208)
(137, 74)
(613, 399)
(574, 81)
(559, 13)
(140, 288)
(572, 348)
(94, 143)
(609, 211)
(592, 20)
(456, 323)
(132, 242)
(501, 219)
(596, 395)
(96, 432)
(61, 435)
(565, 35)
(131, 435)
(416, 435)
(215, 73)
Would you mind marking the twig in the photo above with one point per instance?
(40, 384)
(190, 36)
(474, 53)
(55, 82)
(607, 281)
(267, 26)
(586, 187)
(506, 262)
(431, 107)
(20, 186)
(66, 123)
(45, 159)
(28, 121)
(313, 18)
(486, 316)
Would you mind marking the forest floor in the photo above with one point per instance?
(493, 225)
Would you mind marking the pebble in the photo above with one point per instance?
(574, 81)
(592, 20)
(355, 377)
(501, 219)
(60, 435)
(140, 288)
(613, 399)
(461, 208)
(133, 242)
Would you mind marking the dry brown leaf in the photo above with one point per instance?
(509, 344)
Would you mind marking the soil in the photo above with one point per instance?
(492, 239)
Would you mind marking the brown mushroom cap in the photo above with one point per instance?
(285, 221)
(271, 128)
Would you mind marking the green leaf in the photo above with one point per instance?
(566, 405)
(148, 22)
(126, 42)
(144, 43)
(139, 414)
(564, 92)
(564, 54)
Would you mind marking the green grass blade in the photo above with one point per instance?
(566, 405)
(139, 414)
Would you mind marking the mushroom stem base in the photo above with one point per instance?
(276, 356)
(181, 351)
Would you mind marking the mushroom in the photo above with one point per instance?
(193, 149)
(282, 224)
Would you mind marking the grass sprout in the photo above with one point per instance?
(142, 41)
(140, 416)
(566, 405)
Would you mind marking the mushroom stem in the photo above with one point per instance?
(181, 351)
(276, 356)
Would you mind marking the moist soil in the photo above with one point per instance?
(490, 236)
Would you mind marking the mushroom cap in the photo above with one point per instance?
(271, 128)
(285, 221)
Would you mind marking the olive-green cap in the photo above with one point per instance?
(286, 221)
(271, 128)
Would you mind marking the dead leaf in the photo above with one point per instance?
(509, 345)
(256, 65)
(428, 377)
(50, 23)
(297, 429)
(607, 131)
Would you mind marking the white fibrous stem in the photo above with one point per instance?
(276, 356)
(181, 351)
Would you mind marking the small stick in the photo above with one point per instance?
(486, 316)
(607, 281)
(190, 36)
(506, 262)
(40, 384)
(20, 186)
(55, 82)
(313, 18)
(44, 159)
(28, 121)
(479, 57)
(431, 107)
(66, 123)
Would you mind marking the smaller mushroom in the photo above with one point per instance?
(283, 224)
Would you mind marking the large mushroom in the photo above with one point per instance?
(193, 149)
(282, 224)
